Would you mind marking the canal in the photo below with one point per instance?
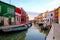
(33, 33)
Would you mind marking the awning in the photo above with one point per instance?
(18, 10)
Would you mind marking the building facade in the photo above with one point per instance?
(17, 16)
(59, 15)
(6, 14)
(23, 16)
(50, 17)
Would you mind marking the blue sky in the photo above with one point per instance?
(35, 5)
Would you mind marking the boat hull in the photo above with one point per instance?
(14, 29)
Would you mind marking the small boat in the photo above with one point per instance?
(13, 28)
(40, 23)
(29, 24)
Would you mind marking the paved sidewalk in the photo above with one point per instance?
(50, 35)
(56, 31)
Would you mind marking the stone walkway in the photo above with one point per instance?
(50, 35)
(54, 33)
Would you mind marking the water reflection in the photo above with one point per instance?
(41, 30)
(34, 33)
(13, 36)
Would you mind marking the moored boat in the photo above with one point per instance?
(13, 28)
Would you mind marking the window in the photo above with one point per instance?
(18, 18)
(47, 20)
(22, 19)
(0, 9)
(51, 14)
(10, 10)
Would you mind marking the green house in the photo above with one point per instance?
(7, 13)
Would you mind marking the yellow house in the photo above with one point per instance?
(59, 15)
(27, 17)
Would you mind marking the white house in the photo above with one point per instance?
(49, 17)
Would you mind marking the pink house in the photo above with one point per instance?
(17, 16)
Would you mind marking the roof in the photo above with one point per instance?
(18, 10)
(7, 4)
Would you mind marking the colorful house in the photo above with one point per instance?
(50, 17)
(56, 15)
(23, 16)
(27, 18)
(11, 15)
(59, 15)
(39, 17)
(20, 16)
(17, 16)
(6, 14)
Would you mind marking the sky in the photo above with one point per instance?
(38, 6)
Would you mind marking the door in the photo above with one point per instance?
(9, 21)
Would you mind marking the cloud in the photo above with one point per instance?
(50, 6)
(32, 15)
(54, 4)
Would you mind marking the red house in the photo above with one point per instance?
(20, 16)
(23, 16)
(17, 16)
(56, 15)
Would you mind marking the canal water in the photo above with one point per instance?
(33, 33)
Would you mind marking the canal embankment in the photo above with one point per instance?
(54, 32)
(49, 35)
